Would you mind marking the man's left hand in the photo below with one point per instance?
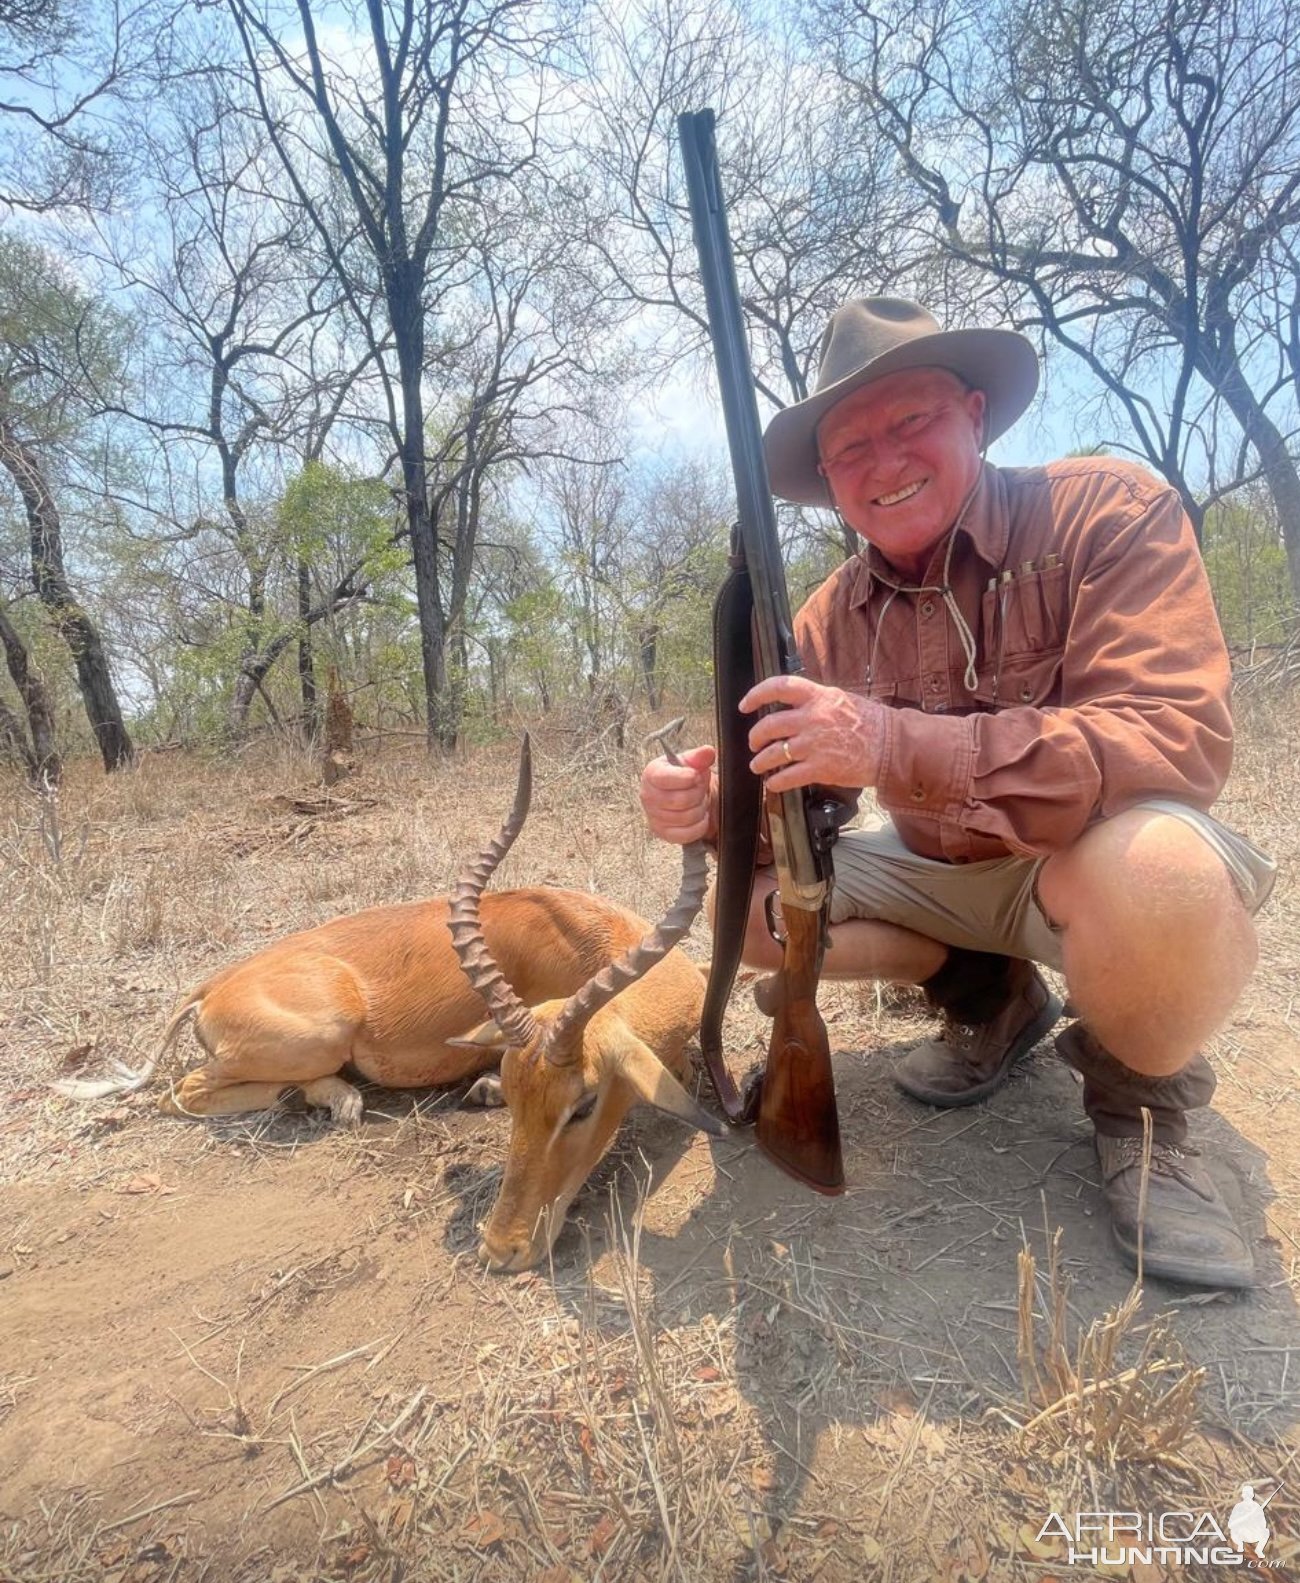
(823, 737)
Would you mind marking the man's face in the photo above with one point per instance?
(900, 456)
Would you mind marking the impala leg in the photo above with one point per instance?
(343, 1101)
(296, 1032)
(208, 1092)
(203, 1093)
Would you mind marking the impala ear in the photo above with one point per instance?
(656, 1085)
(487, 1036)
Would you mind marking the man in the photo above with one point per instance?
(1026, 667)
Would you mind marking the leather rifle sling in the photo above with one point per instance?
(740, 815)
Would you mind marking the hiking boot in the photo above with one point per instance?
(970, 1059)
(1187, 1233)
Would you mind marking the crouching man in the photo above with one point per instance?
(1025, 666)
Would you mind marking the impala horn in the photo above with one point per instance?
(508, 1012)
(581, 1006)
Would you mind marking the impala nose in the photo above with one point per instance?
(502, 1255)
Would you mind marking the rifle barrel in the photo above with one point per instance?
(802, 876)
(739, 405)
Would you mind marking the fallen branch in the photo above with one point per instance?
(342, 1469)
(311, 1370)
(161, 1506)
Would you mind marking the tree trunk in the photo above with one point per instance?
(14, 743)
(256, 666)
(51, 583)
(44, 766)
(649, 664)
(245, 690)
(405, 314)
(306, 668)
(1275, 459)
(251, 670)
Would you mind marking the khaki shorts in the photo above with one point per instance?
(993, 905)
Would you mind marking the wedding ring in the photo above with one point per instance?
(785, 748)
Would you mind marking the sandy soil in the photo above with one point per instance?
(264, 1350)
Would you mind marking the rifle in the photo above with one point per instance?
(753, 637)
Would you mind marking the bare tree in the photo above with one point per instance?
(62, 66)
(676, 559)
(34, 744)
(389, 154)
(1127, 178)
(814, 216)
(236, 307)
(53, 332)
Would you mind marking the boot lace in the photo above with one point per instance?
(961, 1035)
(1166, 1158)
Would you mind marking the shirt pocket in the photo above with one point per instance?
(1029, 680)
(893, 691)
(1026, 614)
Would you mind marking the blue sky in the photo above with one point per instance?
(684, 417)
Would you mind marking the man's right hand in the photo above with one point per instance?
(681, 800)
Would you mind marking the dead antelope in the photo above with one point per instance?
(380, 992)
(572, 1069)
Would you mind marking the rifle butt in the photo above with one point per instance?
(798, 1123)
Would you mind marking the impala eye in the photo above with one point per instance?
(583, 1108)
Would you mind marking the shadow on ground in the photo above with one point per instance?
(905, 1289)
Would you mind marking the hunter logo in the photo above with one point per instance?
(1181, 1538)
(1248, 1525)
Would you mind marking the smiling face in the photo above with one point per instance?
(900, 457)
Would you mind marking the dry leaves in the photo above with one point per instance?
(967, 1560)
(720, 1402)
(898, 1431)
(602, 1536)
(400, 1471)
(484, 1529)
(398, 1516)
(74, 1059)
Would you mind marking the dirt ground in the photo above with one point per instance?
(263, 1350)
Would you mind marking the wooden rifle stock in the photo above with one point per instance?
(798, 1125)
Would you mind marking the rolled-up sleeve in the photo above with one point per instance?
(1138, 703)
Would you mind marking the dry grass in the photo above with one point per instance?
(1121, 1391)
(716, 1383)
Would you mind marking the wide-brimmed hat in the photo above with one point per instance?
(870, 337)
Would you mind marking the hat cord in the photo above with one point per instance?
(944, 589)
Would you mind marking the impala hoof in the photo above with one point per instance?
(486, 1092)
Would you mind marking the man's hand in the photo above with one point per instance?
(824, 736)
(680, 800)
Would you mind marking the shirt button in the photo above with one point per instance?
(932, 682)
(918, 795)
(1026, 694)
(927, 609)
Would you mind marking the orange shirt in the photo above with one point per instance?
(1101, 675)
